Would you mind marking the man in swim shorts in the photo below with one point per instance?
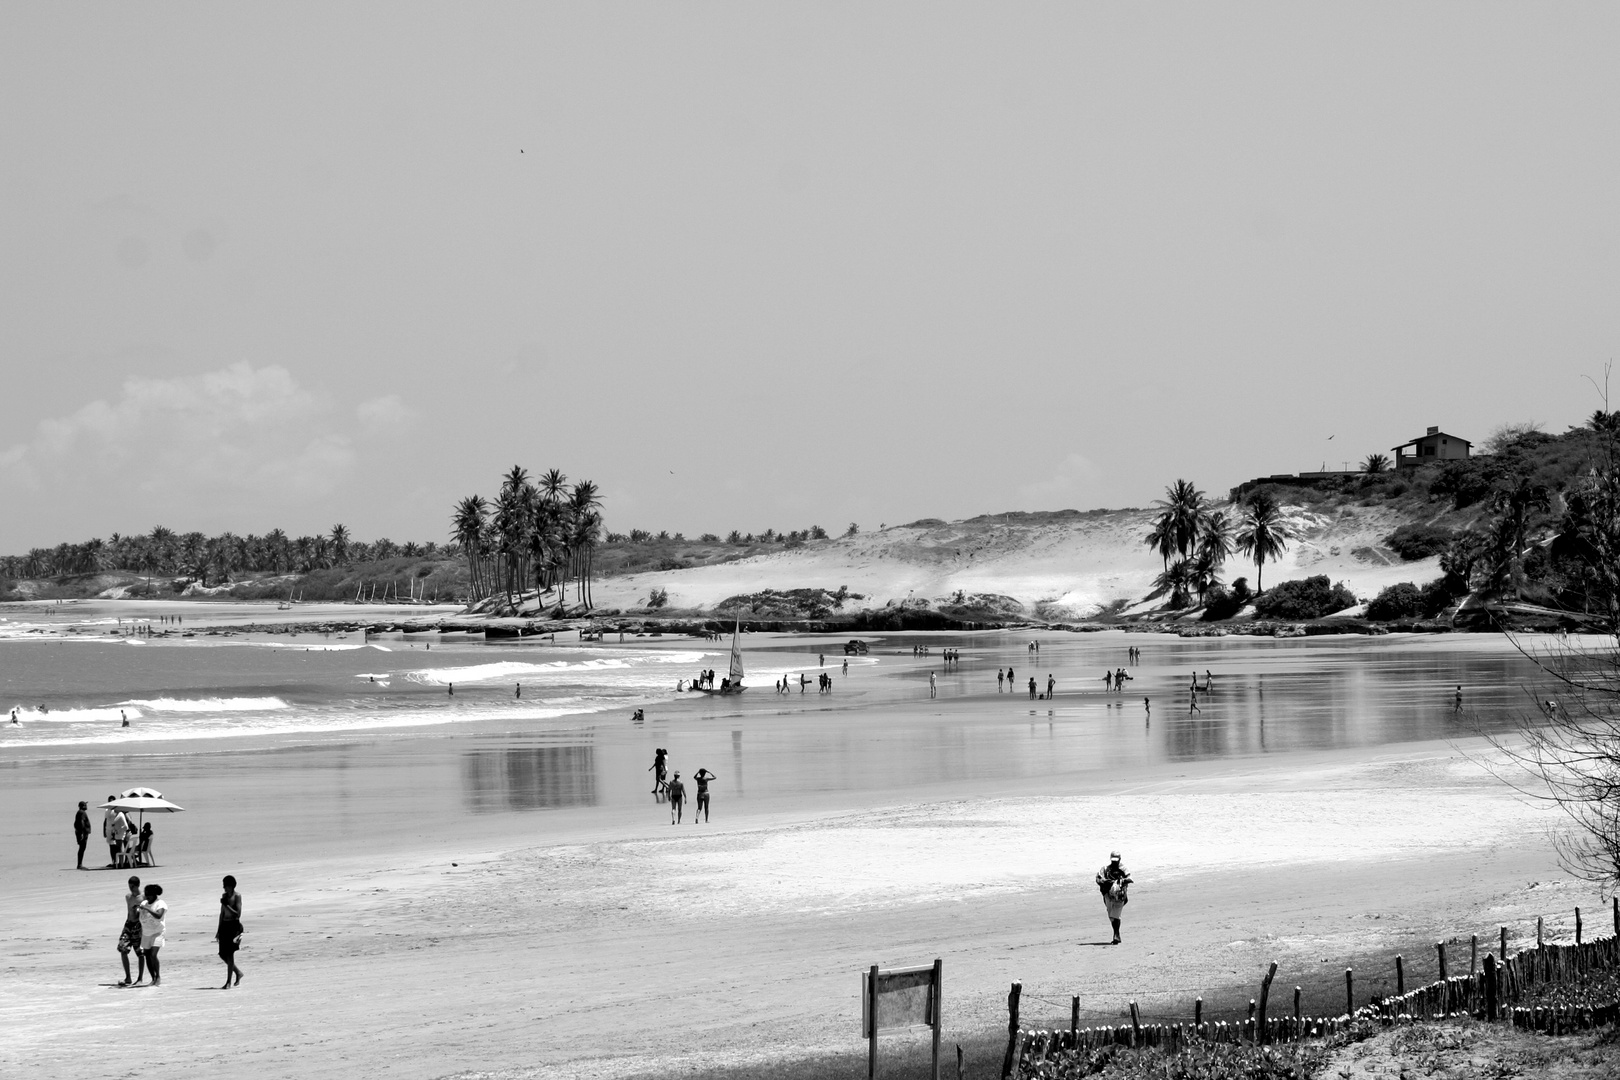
(702, 777)
(677, 798)
(130, 937)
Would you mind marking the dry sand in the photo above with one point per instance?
(604, 942)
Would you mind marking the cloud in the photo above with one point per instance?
(197, 445)
(384, 412)
(1070, 486)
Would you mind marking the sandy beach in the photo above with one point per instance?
(505, 896)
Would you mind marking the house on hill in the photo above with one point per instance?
(1434, 446)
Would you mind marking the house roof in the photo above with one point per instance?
(1431, 435)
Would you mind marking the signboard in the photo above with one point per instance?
(901, 999)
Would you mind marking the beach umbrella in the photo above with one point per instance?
(141, 801)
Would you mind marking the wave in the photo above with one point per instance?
(29, 715)
(235, 704)
(506, 669)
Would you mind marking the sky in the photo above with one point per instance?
(767, 266)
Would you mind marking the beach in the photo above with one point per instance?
(500, 892)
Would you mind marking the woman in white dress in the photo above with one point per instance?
(152, 911)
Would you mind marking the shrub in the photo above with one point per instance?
(1412, 542)
(709, 538)
(1403, 601)
(1220, 603)
(658, 598)
(1311, 598)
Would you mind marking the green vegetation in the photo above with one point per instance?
(1198, 538)
(541, 533)
(1413, 541)
(1310, 598)
(1408, 601)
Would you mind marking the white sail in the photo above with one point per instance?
(736, 657)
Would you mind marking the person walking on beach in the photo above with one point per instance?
(1000, 679)
(229, 934)
(1458, 706)
(152, 911)
(81, 829)
(1112, 881)
(1108, 681)
(129, 938)
(931, 686)
(702, 778)
(660, 755)
(846, 665)
(677, 799)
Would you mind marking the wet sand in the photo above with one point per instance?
(582, 935)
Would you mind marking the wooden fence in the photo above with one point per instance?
(1490, 992)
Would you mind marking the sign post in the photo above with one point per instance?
(899, 999)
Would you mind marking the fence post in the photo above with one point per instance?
(1265, 995)
(1440, 947)
(1400, 977)
(1577, 926)
(1136, 1026)
(1299, 1019)
(1198, 1013)
(1074, 1014)
(1473, 954)
(1007, 1062)
(1616, 899)
(1349, 992)
(1502, 955)
(871, 1012)
(1490, 987)
(1539, 928)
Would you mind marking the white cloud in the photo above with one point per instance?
(241, 437)
(386, 411)
(1074, 481)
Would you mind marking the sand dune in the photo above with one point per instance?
(1065, 564)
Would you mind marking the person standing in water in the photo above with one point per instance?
(702, 778)
(229, 934)
(677, 799)
(1000, 679)
(1051, 685)
(931, 687)
(129, 938)
(81, 829)
(1032, 688)
(1112, 881)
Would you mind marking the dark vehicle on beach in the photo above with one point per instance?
(855, 647)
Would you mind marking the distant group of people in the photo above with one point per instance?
(675, 791)
(1114, 681)
(824, 682)
(952, 657)
(126, 845)
(1004, 677)
(146, 921)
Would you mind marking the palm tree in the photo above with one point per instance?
(1515, 504)
(1214, 545)
(1176, 577)
(340, 544)
(1263, 535)
(1176, 530)
(467, 526)
(587, 530)
(1375, 463)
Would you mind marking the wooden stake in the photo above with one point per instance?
(1198, 1012)
(1490, 987)
(958, 1061)
(1265, 995)
(1012, 1029)
(1502, 955)
(1349, 992)
(1400, 977)
(871, 1008)
(1136, 1026)
(1440, 947)
(1577, 926)
(1074, 1013)
(939, 1011)
(1539, 941)
(1617, 915)
(1473, 954)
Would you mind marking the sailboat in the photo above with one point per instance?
(733, 683)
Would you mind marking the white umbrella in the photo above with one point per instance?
(143, 801)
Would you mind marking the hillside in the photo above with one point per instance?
(1059, 565)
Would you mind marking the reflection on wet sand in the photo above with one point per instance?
(529, 778)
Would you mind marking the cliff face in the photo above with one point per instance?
(1061, 565)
